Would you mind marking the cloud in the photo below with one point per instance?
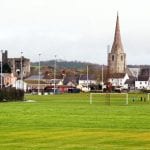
(74, 29)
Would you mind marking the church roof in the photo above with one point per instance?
(117, 75)
(117, 44)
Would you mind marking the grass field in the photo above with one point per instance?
(69, 122)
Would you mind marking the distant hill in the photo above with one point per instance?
(138, 66)
(62, 64)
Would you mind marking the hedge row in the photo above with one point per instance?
(11, 94)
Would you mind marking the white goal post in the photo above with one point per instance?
(148, 97)
(126, 96)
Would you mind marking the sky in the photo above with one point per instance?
(74, 29)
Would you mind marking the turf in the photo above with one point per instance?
(69, 122)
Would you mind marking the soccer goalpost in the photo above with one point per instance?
(109, 97)
(148, 96)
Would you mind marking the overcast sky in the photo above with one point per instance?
(74, 29)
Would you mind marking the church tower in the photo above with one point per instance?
(117, 57)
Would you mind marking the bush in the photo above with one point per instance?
(11, 94)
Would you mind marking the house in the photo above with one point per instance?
(142, 82)
(8, 79)
(56, 82)
(85, 80)
(71, 81)
(34, 81)
(130, 83)
(19, 84)
(118, 79)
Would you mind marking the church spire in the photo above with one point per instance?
(117, 44)
(117, 57)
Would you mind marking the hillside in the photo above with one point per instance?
(62, 64)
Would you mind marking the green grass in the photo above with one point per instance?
(69, 122)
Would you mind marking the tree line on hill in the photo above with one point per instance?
(73, 68)
(61, 64)
(69, 68)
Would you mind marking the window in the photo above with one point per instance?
(112, 57)
(121, 58)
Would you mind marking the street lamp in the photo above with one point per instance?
(39, 75)
(1, 68)
(55, 75)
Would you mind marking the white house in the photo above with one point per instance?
(84, 80)
(19, 84)
(118, 79)
(130, 83)
(142, 82)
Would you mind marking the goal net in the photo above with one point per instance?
(109, 98)
(139, 97)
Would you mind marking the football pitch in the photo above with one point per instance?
(70, 122)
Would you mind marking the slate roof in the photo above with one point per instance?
(90, 77)
(130, 80)
(34, 82)
(143, 78)
(56, 81)
(35, 77)
(73, 79)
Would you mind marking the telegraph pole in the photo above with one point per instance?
(55, 75)
(1, 68)
(21, 71)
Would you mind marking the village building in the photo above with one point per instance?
(85, 80)
(11, 69)
(118, 79)
(71, 81)
(142, 82)
(13, 65)
(8, 80)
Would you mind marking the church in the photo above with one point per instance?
(117, 68)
